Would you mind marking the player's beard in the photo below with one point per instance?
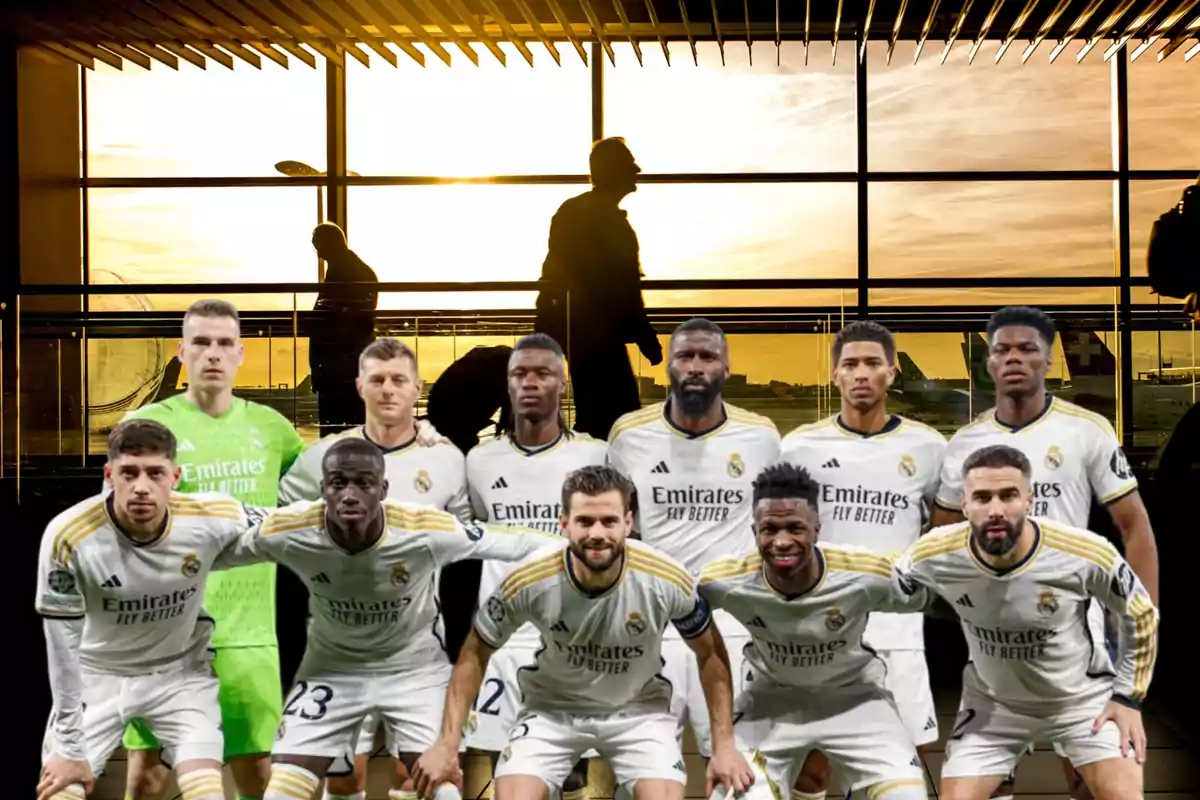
(597, 560)
(695, 396)
(998, 546)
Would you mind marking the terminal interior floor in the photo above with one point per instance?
(1172, 769)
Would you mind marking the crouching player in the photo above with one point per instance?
(810, 684)
(601, 603)
(375, 641)
(120, 581)
(1021, 587)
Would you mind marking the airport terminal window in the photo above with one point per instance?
(209, 235)
(733, 118)
(1163, 113)
(468, 120)
(977, 228)
(1164, 382)
(1148, 200)
(1006, 116)
(1075, 295)
(204, 123)
(834, 300)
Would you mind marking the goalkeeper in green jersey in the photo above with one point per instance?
(228, 445)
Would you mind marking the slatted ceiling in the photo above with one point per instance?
(141, 32)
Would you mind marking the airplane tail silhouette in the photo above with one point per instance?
(975, 353)
(908, 368)
(1087, 355)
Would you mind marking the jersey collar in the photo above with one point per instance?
(894, 421)
(1000, 573)
(387, 451)
(1018, 428)
(537, 449)
(666, 415)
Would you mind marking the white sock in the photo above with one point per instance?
(447, 791)
(290, 782)
(202, 784)
(355, 796)
(72, 792)
(798, 795)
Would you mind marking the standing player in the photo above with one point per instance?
(120, 581)
(601, 603)
(375, 646)
(389, 385)
(811, 681)
(693, 460)
(878, 474)
(1074, 453)
(239, 448)
(517, 478)
(1021, 586)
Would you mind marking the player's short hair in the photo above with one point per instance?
(141, 437)
(539, 341)
(703, 325)
(386, 349)
(213, 308)
(354, 446)
(865, 330)
(593, 481)
(786, 482)
(1026, 316)
(997, 456)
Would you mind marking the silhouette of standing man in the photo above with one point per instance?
(344, 326)
(593, 302)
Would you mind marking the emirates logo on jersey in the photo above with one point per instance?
(1047, 603)
(908, 466)
(422, 482)
(736, 466)
(835, 620)
(190, 566)
(1054, 457)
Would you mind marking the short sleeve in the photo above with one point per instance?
(1109, 472)
(290, 443)
(950, 483)
(59, 590)
(688, 610)
(500, 616)
(302, 480)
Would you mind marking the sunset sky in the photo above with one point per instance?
(469, 121)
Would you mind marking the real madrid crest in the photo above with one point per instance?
(1047, 603)
(736, 466)
(908, 466)
(422, 482)
(399, 574)
(190, 566)
(636, 624)
(1054, 457)
(834, 619)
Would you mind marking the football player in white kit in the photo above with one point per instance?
(878, 474)
(1074, 454)
(1021, 586)
(120, 582)
(434, 475)
(693, 460)
(601, 604)
(516, 478)
(375, 645)
(811, 680)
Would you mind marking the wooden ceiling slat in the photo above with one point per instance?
(385, 29)
(535, 25)
(337, 17)
(405, 17)
(565, 22)
(282, 20)
(447, 28)
(598, 30)
(127, 53)
(268, 32)
(69, 53)
(157, 53)
(482, 35)
(304, 13)
(510, 33)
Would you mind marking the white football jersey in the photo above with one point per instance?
(694, 492)
(512, 485)
(431, 476)
(815, 640)
(1026, 627)
(1074, 453)
(876, 492)
(141, 603)
(603, 653)
(375, 611)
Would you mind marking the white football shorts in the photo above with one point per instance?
(908, 681)
(683, 671)
(499, 700)
(179, 705)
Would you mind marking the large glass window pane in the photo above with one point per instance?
(1149, 200)
(992, 297)
(735, 117)
(1164, 383)
(1164, 113)
(468, 120)
(981, 228)
(934, 382)
(204, 123)
(1006, 116)
(217, 235)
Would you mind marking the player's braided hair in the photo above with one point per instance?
(1026, 316)
(997, 456)
(141, 437)
(595, 480)
(786, 482)
(507, 424)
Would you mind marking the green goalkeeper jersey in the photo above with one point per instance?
(243, 453)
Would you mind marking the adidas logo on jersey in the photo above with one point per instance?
(661, 469)
(560, 627)
(830, 464)
(930, 724)
(964, 601)
(757, 622)
(916, 761)
(500, 483)
(679, 765)
(112, 583)
(320, 577)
